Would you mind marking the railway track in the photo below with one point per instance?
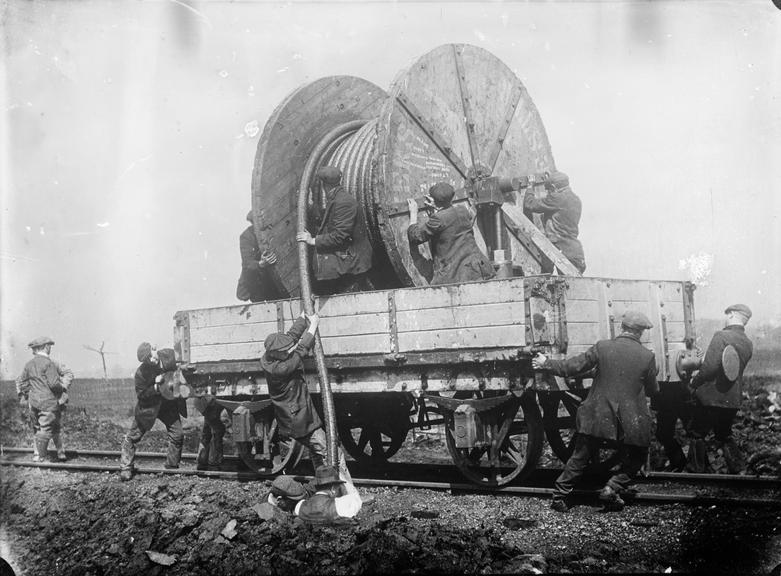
(655, 488)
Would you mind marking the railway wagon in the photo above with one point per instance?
(407, 354)
(457, 355)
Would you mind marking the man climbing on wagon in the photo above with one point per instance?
(449, 231)
(42, 388)
(615, 409)
(560, 208)
(718, 393)
(283, 364)
(152, 405)
(256, 282)
(343, 254)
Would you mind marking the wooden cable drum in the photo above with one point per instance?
(457, 114)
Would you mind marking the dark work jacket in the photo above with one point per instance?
(560, 218)
(713, 388)
(150, 403)
(41, 382)
(456, 255)
(321, 509)
(342, 243)
(255, 284)
(615, 408)
(293, 408)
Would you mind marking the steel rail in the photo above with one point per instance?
(652, 476)
(453, 487)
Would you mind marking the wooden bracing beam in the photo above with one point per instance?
(534, 240)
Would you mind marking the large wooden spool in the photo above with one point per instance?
(457, 114)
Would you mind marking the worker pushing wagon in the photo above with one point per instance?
(615, 409)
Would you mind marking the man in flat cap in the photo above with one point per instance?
(718, 388)
(343, 254)
(256, 282)
(449, 232)
(42, 388)
(335, 501)
(152, 405)
(560, 208)
(283, 363)
(614, 410)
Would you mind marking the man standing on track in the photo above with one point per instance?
(343, 254)
(151, 405)
(615, 409)
(717, 395)
(42, 388)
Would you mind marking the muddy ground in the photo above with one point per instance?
(90, 523)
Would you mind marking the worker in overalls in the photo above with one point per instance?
(42, 388)
(151, 406)
(560, 208)
(615, 409)
(449, 232)
(342, 252)
(717, 397)
(283, 363)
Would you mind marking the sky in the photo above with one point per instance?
(129, 131)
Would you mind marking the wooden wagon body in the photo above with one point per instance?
(454, 345)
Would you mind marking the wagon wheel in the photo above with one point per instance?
(370, 444)
(282, 453)
(558, 417)
(518, 453)
(373, 431)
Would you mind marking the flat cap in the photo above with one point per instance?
(144, 351)
(558, 179)
(742, 308)
(329, 174)
(326, 475)
(635, 320)
(288, 487)
(39, 342)
(278, 341)
(441, 192)
(249, 217)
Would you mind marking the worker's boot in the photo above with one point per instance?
(57, 439)
(36, 456)
(43, 449)
(697, 460)
(611, 501)
(733, 457)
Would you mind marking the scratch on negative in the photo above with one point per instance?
(194, 11)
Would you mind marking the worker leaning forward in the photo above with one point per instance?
(343, 254)
(284, 367)
(151, 405)
(449, 231)
(560, 208)
(718, 390)
(42, 388)
(615, 409)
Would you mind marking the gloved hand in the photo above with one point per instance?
(24, 406)
(63, 400)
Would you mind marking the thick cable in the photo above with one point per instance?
(306, 287)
